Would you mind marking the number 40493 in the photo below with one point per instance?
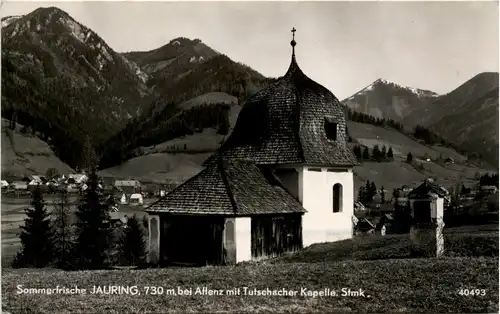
(472, 292)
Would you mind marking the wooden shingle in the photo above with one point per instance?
(230, 187)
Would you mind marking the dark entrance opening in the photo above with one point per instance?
(193, 241)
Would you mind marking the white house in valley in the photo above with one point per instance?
(274, 186)
(136, 199)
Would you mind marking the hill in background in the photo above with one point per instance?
(466, 117)
(62, 80)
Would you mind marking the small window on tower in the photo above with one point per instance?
(331, 129)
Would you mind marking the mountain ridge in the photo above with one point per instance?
(443, 113)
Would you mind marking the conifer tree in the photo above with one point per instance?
(368, 193)
(383, 153)
(36, 235)
(376, 153)
(63, 236)
(382, 195)
(373, 189)
(409, 158)
(132, 243)
(366, 154)
(361, 194)
(93, 232)
(390, 153)
(89, 157)
(357, 151)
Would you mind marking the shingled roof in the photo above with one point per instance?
(427, 189)
(230, 187)
(285, 124)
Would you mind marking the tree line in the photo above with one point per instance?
(489, 179)
(377, 154)
(84, 241)
(367, 192)
(356, 116)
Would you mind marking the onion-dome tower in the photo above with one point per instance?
(293, 121)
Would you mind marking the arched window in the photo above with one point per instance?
(337, 198)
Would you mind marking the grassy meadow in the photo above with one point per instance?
(380, 266)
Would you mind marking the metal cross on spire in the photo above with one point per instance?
(293, 43)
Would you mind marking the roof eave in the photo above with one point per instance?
(225, 214)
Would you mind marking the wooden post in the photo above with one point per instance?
(154, 239)
(426, 232)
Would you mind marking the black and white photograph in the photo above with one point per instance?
(249, 157)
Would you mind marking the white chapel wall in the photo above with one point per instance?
(320, 223)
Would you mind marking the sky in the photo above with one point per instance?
(344, 46)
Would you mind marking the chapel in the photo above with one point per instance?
(283, 180)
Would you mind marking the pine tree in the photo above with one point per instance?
(368, 193)
(132, 243)
(383, 153)
(93, 232)
(382, 195)
(376, 153)
(36, 235)
(390, 154)
(63, 236)
(409, 158)
(372, 190)
(357, 151)
(89, 157)
(366, 154)
(362, 194)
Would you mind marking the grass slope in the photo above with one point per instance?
(397, 173)
(22, 154)
(158, 167)
(391, 285)
(464, 241)
(209, 98)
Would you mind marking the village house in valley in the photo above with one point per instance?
(285, 184)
